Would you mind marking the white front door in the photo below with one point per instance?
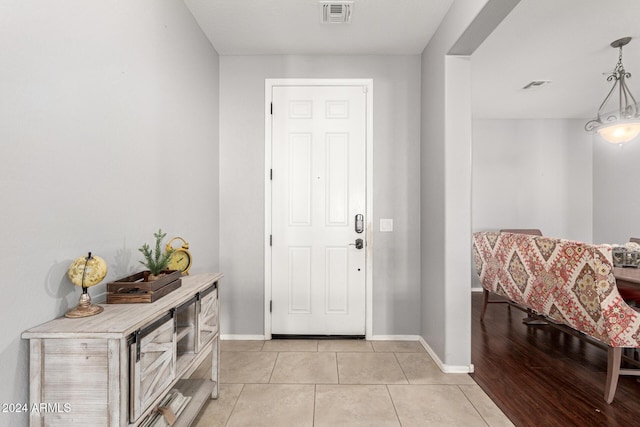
(318, 191)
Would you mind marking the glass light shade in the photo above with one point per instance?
(619, 133)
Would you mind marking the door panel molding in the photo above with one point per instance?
(337, 110)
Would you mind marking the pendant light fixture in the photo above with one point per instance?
(621, 125)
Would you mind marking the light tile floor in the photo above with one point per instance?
(292, 383)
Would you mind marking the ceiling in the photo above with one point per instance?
(563, 41)
(275, 27)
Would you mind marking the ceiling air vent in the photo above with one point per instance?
(336, 12)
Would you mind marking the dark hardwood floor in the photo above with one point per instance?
(540, 376)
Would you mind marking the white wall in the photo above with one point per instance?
(108, 130)
(616, 205)
(445, 161)
(396, 99)
(533, 174)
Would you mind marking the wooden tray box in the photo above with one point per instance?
(133, 289)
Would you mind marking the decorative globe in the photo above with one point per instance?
(87, 271)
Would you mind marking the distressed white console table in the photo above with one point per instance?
(115, 368)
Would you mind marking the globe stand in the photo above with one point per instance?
(86, 271)
(84, 308)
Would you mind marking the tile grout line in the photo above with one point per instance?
(273, 368)
(401, 368)
(315, 396)
(472, 404)
(234, 406)
(393, 404)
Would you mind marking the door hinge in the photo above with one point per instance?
(272, 108)
(271, 174)
(270, 306)
(365, 89)
(270, 239)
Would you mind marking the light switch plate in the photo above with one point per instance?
(386, 224)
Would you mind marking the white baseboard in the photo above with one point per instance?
(447, 369)
(394, 338)
(233, 337)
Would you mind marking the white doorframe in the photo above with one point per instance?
(368, 85)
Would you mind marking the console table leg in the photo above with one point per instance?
(215, 368)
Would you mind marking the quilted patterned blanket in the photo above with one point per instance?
(567, 281)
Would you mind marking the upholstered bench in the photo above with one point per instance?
(569, 284)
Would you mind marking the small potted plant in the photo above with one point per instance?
(157, 260)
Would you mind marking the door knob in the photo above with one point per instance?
(359, 244)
